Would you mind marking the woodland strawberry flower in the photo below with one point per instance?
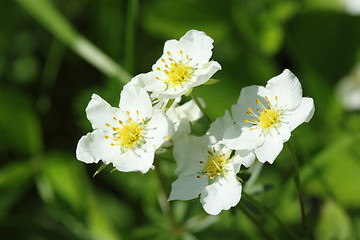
(127, 136)
(265, 116)
(206, 167)
(183, 65)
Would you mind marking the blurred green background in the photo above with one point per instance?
(55, 54)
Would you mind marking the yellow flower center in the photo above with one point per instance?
(215, 164)
(268, 118)
(177, 72)
(127, 135)
(265, 117)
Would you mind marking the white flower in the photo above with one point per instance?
(204, 166)
(127, 136)
(265, 116)
(352, 6)
(348, 90)
(184, 64)
(182, 117)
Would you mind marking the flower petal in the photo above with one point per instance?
(188, 110)
(94, 147)
(187, 187)
(303, 113)
(221, 195)
(159, 129)
(188, 152)
(137, 101)
(140, 159)
(247, 99)
(271, 148)
(241, 138)
(148, 81)
(244, 157)
(218, 128)
(197, 45)
(204, 73)
(99, 112)
(287, 88)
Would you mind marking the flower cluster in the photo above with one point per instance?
(149, 117)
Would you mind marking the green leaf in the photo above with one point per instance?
(334, 223)
(100, 169)
(169, 104)
(19, 126)
(335, 172)
(15, 179)
(211, 81)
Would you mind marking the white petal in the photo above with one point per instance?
(221, 195)
(188, 110)
(244, 157)
(159, 129)
(204, 73)
(301, 114)
(271, 148)
(149, 82)
(247, 99)
(135, 99)
(187, 187)
(218, 128)
(348, 90)
(139, 160)
(197, 45)
(94, 147)
(137, 81)
(188, 152)
(99, 112)
(287, 88)
(241, 138)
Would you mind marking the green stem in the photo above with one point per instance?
(256, 223)
(297, 184)
(164, 204)
(270, 213)
(132, 11)
(196, 100)
(55, 22)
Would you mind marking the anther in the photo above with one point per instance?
(107, 137)
(108, 125)
(114, 118)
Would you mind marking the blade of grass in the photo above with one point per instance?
(47, 15)
(132, 13)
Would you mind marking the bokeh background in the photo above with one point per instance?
(55, 54)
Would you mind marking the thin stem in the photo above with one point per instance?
(132, 13)
(164, 204)
(256, 223)
(297, 184)
(270, 213)
(196, 100)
